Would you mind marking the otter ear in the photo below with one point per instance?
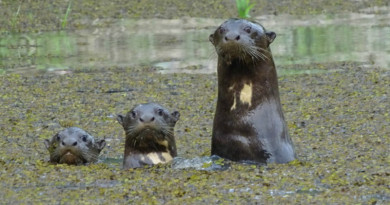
(120, 118)
(211, 38)
(175, 115)
(47, 143)
(100, 144)
(271, 36)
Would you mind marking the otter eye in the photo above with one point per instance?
(247, 29)
(58, 138)
(160, 112)
(133, 114)
(84, 138)
(221, 30)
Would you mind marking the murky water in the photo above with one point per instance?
(182, 45)
(208, 163)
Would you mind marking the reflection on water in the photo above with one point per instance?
(208, 163)
(182, 45)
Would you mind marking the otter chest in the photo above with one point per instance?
(242, 94)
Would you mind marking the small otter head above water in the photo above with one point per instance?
(243, 40)
(74, 146)
(149, 130)
(148, 118)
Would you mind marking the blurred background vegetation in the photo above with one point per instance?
(43, 15)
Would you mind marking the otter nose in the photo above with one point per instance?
(232, 37)
(146, 118)
(69, 142)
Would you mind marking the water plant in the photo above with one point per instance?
(243, 8)
(15, 18)
(65, 19)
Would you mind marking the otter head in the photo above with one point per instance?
(74, 146)
(243, 40)
(149, 125)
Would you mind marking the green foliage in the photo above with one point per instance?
(65, 19)
(36, 16)
(15, 18)
(243, 8)
(339, 127)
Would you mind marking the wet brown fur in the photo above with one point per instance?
(235, 119)
(74, 146)
(155, 138)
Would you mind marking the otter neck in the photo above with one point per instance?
(154, 141)
(243, 86)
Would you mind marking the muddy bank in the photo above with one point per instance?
(35, 16)
(339, 122)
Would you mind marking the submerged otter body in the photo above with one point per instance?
(248, 122)
(74, 146)
(150, 137)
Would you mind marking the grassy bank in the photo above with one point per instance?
(35, 16)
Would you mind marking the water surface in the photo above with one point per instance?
(181, 45)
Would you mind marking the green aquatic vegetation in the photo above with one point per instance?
(244, 7)
(339, 126)
(35, 16)
(14, 19)
(65, 19)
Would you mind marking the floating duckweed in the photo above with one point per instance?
(339, 127)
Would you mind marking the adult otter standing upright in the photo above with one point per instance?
(249, 122)
(149, 131)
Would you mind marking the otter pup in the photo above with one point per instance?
(74, 146)
(149, 135)
(248, 122)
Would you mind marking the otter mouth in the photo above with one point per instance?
(235, 51)
(231, 49)
(147, 137)
(70, 158)
(145, 130)
(250, 54)
(148, 134)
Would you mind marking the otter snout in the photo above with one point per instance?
(69, 142)
(232, 36)
(146, 118)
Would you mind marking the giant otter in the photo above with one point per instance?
(149, 135)
(74, 146)
(248, 124)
